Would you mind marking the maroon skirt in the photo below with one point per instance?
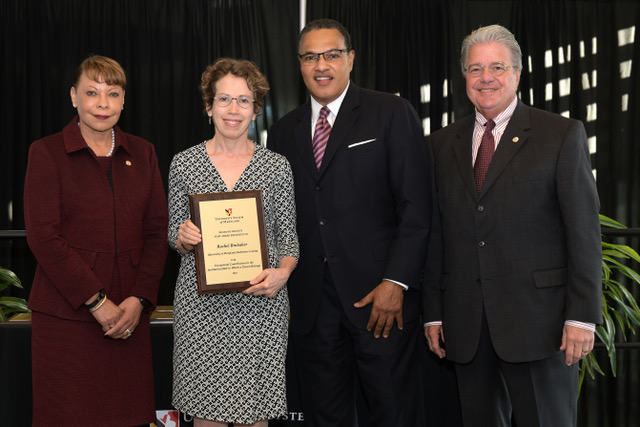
(82, 378)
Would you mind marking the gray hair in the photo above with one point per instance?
(492, 33)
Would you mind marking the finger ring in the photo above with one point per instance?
(128, 332)
(585, 351)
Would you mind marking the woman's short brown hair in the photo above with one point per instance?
(247, 70)
(101, 68)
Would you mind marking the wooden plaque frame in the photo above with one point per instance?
(233, 249)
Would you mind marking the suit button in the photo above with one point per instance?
(480, 208)
(318, 187)
(481, 244)
(323, 222)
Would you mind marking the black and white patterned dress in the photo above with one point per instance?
(229, 348)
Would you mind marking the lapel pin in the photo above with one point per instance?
(515, 139)
(128, 163)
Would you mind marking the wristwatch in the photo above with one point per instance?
(145, 302)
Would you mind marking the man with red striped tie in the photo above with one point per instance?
(363, 203)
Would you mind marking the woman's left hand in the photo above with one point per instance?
(268, 283)
(129, 320)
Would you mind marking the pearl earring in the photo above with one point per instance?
(209, 119)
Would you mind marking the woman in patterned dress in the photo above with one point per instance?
(229, 348)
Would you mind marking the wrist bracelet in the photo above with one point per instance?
(96, 301)
(102, 301)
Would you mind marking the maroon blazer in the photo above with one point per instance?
(77, 226)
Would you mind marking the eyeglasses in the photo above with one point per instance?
(496, 69)
(225, 100)
(331, 55)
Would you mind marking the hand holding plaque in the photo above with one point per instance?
(233, 249)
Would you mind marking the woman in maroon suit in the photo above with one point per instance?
(96, 220)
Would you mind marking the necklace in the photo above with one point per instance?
(113, 142)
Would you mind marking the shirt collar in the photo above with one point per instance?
(74, 141)
(502, 118)
(333, 106)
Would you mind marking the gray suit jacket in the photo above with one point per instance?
(528, 248)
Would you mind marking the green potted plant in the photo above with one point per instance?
(619, 308)
(10, 305)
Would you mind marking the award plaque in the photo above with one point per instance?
(233, 249)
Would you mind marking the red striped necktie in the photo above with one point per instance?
(321, 136)
(485, 154)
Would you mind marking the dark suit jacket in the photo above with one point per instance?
(76, 226)
(367, 210)
(528, 247)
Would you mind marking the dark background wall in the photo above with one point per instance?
(581, 59)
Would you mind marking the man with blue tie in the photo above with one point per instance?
(361, 176)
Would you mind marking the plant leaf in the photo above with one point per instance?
(8, 276)
(610, 223)
(627, 251)
(14, 302)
